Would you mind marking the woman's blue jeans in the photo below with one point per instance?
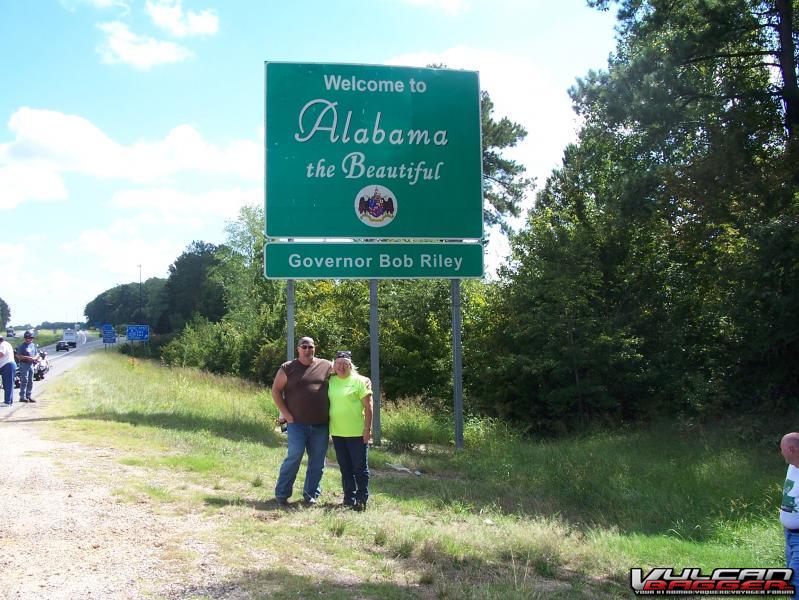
(302, 438)
(353, 461)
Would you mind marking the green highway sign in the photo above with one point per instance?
(298, 260)
(364, 151)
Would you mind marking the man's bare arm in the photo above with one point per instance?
(277, 395)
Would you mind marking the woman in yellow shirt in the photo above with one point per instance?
(351, 427)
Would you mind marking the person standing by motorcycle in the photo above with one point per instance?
(7, 371)
(27, 356)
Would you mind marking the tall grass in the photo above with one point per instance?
(43, 338)
(506, 517)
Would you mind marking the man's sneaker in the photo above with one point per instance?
(282, 501)
(359, 506)
(23, 399)
(309, 501)
(31, 400)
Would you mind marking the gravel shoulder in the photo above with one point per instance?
(65, 535)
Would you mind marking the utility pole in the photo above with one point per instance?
(140, 315)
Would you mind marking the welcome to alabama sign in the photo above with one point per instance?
(360, 151)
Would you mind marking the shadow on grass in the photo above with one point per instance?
(282, 584)
(272, 505)
(470, 581)
(38, 419)
(237, 431)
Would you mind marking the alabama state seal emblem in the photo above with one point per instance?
(376, 205)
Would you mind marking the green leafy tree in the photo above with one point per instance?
(5, 313)
(121, 304)
(706, 94)
(253, 326)
(654, 273)
(504, 184)
(190, 290)
(740, 42)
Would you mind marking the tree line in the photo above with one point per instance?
(657, 272)
(5, 313)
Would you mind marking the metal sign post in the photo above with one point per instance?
(457, 369)
(290, 319)
(374, 358)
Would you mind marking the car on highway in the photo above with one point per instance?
(62, 345)
(11, 333)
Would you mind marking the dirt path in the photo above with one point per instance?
(64, 535)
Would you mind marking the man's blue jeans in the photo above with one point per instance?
(302, 438)
(792, 558)
(25, 379)
(7, 372)
(353, 462)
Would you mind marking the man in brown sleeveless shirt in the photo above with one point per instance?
(300, 394)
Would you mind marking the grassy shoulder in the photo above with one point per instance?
(506, 518)
(45, 337)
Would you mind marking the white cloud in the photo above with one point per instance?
(450, 7)
(141, 52)
(169, 16)
(71, 5)
(151, 225)
(35, 284)
(108, 4)
(145, 236)
(118, 248)
(179, 208)
(21, 182)
(47, 143)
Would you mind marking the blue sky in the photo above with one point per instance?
(129, 128)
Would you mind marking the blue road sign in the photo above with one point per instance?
(138, 333)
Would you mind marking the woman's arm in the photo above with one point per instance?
(367, 417)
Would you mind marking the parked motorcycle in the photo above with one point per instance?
(41, 366)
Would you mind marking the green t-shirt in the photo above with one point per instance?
(346, 406)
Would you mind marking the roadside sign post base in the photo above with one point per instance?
(374, 358)
(457, 366)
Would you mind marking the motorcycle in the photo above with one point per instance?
(41, 366)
